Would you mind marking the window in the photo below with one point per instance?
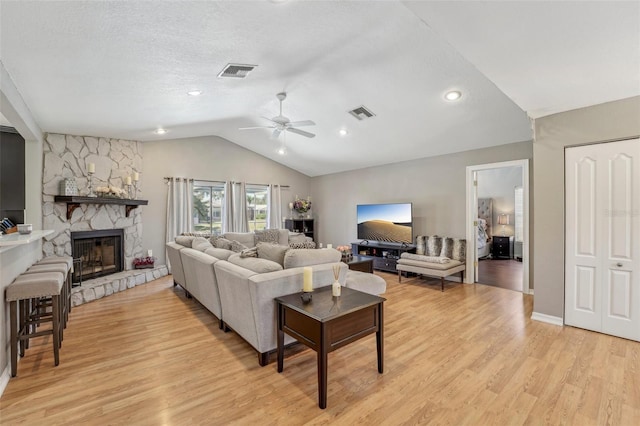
(208, 198)
(519, 209)
(257, 207)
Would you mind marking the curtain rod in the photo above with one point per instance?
(222, 181)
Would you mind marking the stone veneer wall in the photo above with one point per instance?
(68, 156)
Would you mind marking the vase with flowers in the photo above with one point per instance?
(346, 253)
(302, 206)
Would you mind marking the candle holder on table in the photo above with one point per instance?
(91, 193)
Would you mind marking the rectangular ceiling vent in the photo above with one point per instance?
(361, 113)
(236, 70)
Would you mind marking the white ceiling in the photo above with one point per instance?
(122, 69)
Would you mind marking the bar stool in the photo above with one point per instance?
(29, 287)
(66, 288)
(67, 260)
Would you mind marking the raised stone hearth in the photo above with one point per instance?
(98, 288)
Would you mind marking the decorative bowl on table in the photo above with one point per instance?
(25, 228)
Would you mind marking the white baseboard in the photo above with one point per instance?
(550, 319)
(4, 378)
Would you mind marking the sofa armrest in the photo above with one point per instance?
(264, 288)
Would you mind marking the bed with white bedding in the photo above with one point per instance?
(485, 226)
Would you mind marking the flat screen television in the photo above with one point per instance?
(390, 223)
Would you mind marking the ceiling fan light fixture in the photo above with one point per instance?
(194, 92)
(453, 95)
(160, 131)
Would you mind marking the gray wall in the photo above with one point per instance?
(609, 121)
(204, 158)
(435, 185)
(499, 185)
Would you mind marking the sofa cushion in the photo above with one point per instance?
(201, 244)
(218, 253)
(255, 264)
(184, 240)
(294, 237)
(246, 238)
(222, 243)
(422, 258)
(365, 282)
(267, 236)
(430, 265)
(273, 252)
(308, 257)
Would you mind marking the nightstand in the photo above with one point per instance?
(502, 247)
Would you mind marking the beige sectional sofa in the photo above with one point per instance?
(239, 289)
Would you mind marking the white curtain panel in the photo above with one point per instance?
(179, 208)
(274, 207)
(234, 212)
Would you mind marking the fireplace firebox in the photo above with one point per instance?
(99, 252)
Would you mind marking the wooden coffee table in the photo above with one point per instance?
(361, 263)
(328, 323)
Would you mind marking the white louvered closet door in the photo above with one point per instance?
(602, 241)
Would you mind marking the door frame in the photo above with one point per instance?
(472, 215)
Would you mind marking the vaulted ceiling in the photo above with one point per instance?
(123, 70)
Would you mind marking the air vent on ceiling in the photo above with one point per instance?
(236, 70)
(361, 113)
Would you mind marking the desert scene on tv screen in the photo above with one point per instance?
(382, 230)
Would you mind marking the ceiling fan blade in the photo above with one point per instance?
(267, 118)
(276, 133)
(300, 132)
(302, 123)
(256, 127)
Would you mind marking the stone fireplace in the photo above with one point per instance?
(68, 156)
(100, 253)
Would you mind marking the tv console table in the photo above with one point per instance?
(385, 255)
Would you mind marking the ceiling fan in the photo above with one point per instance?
(282, 123)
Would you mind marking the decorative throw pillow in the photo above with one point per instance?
(433, 246)
(447, 247)
(222, 243)
(237, 247)
(273, 252)
(250, 252)
(267, 236)
(459, 249)
(420, 244)
(213, 239)
(303, 245)
(184, 240)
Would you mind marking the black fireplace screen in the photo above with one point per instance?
(97, 253)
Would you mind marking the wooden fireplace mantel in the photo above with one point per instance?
(74, 201)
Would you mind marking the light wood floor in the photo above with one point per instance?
(469, 355)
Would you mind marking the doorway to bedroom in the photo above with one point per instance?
(497, 225)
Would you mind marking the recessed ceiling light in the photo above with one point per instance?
(160, 132)
(194, 92)
(282, 150)
(343, 132)
(454, 95)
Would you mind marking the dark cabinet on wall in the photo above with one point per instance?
(302, 226)
(12, 179)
